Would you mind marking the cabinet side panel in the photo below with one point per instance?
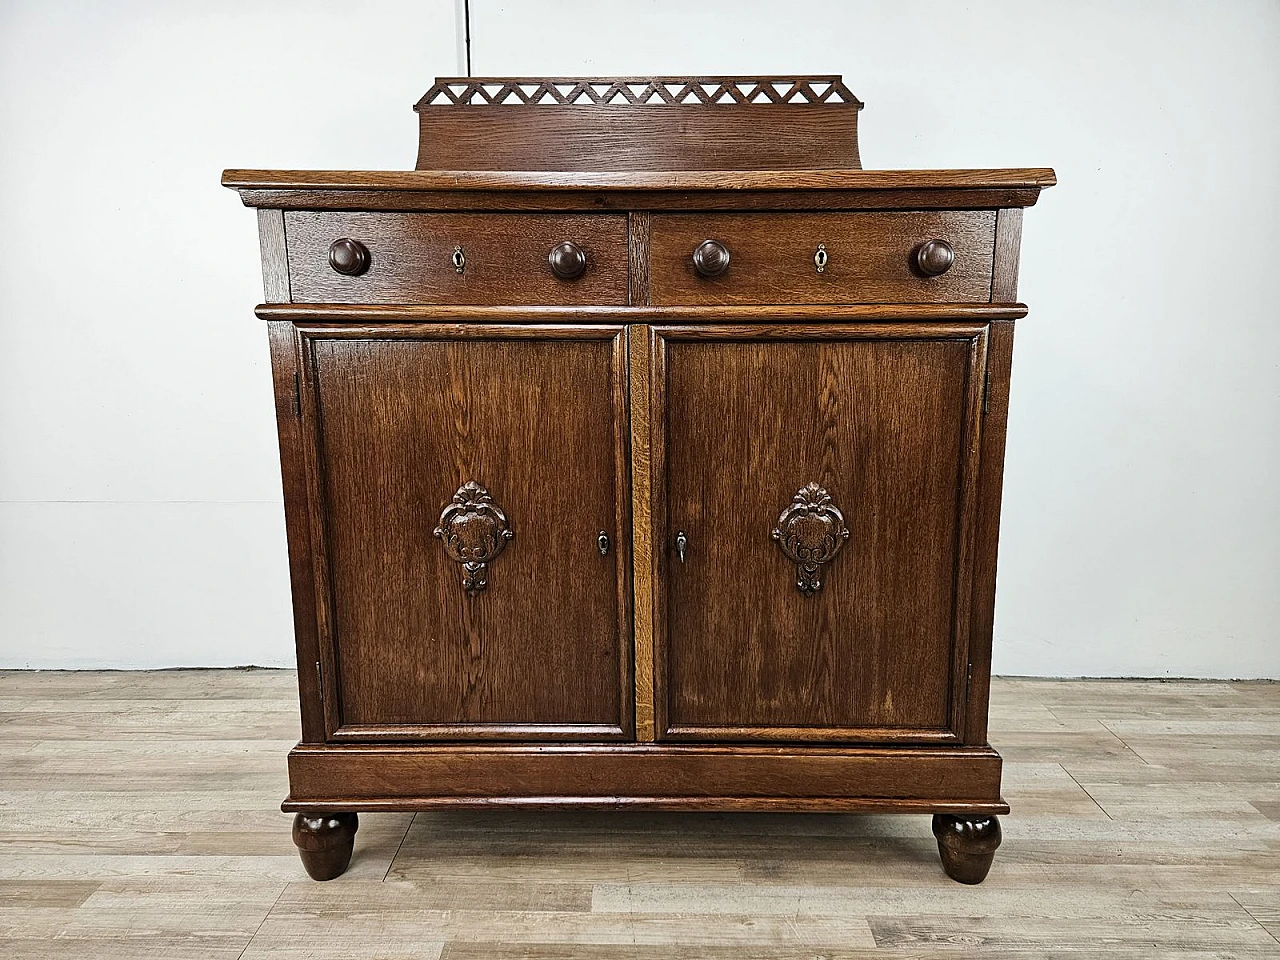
(284, 371)
(987, 538)
(1004, 276)
(275, 258)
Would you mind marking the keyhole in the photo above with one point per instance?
(459, 259)
(820, 258)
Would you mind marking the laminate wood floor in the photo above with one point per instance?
(139, 818)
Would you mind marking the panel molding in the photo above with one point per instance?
(322, 616)
(960, 701)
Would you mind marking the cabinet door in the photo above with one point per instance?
(470, 502)
(815, 511)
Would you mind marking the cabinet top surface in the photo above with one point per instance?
(1034, 178)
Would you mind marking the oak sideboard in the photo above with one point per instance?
(640, 449)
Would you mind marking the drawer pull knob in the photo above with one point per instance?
(810, 532)
(820, 258)
(474, 530)
(459, 259)
(567, 260)
(348, 257)
(934, 257)
(711, 258)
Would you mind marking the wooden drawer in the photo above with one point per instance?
(869, 257)
(410, 258)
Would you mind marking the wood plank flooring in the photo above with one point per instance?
(139, 818)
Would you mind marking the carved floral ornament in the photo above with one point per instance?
(636, 91)
(474, 530)
(810, 532)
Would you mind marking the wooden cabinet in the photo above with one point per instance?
(642, 483)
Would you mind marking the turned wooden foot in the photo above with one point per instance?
(967, 845)
(325, 842)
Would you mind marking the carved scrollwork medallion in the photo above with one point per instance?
(810, 531)
(474, 530)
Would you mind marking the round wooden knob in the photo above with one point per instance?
(349, 257)
(934, 257)
(567, 260)
(711, 258)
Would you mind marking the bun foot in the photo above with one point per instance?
(325, 842)
(967, 845)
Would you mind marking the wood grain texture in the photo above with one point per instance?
(505, 258)
(596, 200)
(1004, 276)
(764, 514)
(636, 180)
(377, 316)
(1173, 860)
(884, 419)
(869, 257)
(286, 372)
(400, 421)
(986, 532)
(612, 137)
(397, 777)
(639, 225)
(639, 366)
(275, 256)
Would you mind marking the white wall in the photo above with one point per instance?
(140, 522)
(140, 510)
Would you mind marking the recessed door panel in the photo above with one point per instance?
(473, 506)
(818, 503)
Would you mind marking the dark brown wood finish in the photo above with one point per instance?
(574, 523)
(987, 532)
(870, 257)
(325, 842)
(400, 420)
(967, 845)
(1026, 182)
(885, 419)
(275, 256)
(371, 315)
(933, 779)
(638, 123)
(458, 258)
(1004, 277)
(286, 377)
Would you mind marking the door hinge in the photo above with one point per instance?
(320, 679)
(297, 395)
(986, 388)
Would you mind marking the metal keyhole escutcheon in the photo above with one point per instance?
(682, 544)
(602, 542)
(459, 259)
(820, 258)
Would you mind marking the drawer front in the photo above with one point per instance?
(467, 258)
(816, 511)
(865, 257)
